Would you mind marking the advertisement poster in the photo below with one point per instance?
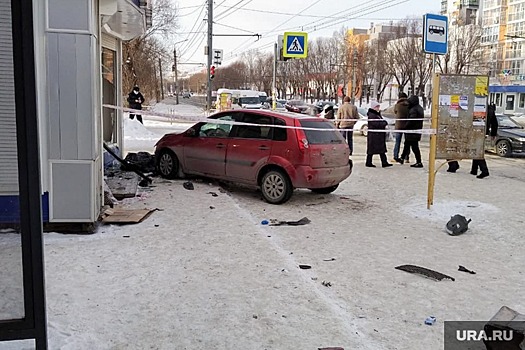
(463, 102)
(444, 100)
(481, 88)
(480, 107)
(454, 105)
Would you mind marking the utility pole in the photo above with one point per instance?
(161, 81)
(354, 66)
(210, 52)
(176, 76)
(274, 93)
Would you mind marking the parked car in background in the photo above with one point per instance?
(274, 159)
(320, 105)
(510, 138)
(186, 95)
(296, 106)
(361, 126)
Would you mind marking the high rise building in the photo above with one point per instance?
(503, 41)
(461, 12)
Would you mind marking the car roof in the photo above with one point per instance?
(265, 112)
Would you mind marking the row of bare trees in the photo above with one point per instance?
(393, 59)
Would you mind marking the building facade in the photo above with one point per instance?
(77, 60)
(503, 42)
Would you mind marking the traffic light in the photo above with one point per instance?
(212, 72)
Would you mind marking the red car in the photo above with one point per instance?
(274, 159)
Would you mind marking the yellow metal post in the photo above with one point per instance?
(433, 141)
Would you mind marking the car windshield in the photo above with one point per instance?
(321, 137)
(505, 122)
(249, 100)
(296, 103)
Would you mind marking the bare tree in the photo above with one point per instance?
(141, 54)
(464, 53)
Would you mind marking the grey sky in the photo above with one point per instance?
(319, 18)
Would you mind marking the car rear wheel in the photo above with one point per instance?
(276, 187)
(503, 148)
(168, 164)
(325, 190)
(364, 130)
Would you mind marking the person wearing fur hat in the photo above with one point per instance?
(376, 140)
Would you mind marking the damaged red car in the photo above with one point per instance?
(273, 151)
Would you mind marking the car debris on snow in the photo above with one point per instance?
(436, 276)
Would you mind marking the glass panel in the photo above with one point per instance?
(109, 94)
(11, 282)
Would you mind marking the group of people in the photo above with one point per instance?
(409, 117)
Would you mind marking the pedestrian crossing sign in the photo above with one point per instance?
(295, 45)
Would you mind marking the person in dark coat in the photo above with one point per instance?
(135, 101)
(401, 112)
(414, 122)
(376, 141)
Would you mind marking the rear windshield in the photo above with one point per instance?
(321, 137)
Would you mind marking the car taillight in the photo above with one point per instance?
(302, 141)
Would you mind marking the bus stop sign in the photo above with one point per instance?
(435, 34)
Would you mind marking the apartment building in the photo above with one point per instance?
(503, 41)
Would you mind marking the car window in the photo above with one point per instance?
(279, 134)
(255, 131)
(218, 129)
(321, 137)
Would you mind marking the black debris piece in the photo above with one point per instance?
(304, 267)
(326, 283)
(213, 194)
(329, 259)
(144, 183)
(142, 161)
(464, 269)
(303, 221)
(436, 276)
(212, 207)
(188, 185)
(457, 225)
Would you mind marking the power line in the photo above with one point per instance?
(227, 26)
(194, 24)
(235, 10)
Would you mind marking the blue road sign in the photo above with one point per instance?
(435, 34)
(295, 45)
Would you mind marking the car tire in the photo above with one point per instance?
(364, 130)
(325, 190)
(168, 164)
(503, 148)
(276, 187)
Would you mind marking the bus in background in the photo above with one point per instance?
(237, 99)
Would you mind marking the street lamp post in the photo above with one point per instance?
(354, 66)
(175, 70)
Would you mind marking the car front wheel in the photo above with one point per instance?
(325, 190)
(503, 148)
(168, 164)
(276, 187)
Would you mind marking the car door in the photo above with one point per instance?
(205, 153)
(249, 148)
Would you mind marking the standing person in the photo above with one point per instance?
(347, 111)
(135, 100)
(491, 129)
(414, 122)
(376, 141)
(401, 112)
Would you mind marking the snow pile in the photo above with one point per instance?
(137, 137)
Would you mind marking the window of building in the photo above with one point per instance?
(498, 99)
(521, 103)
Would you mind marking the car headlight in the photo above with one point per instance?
(521, 139)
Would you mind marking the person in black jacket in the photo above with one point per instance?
(491, 129)
(135, 101)
(376, 141)
(414, 122)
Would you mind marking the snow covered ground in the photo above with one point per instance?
(204, 273)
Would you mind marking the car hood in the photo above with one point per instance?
(512, 132)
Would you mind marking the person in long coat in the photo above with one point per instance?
(414, 122)
(376, 141)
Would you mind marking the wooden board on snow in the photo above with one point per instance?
(125, 216)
